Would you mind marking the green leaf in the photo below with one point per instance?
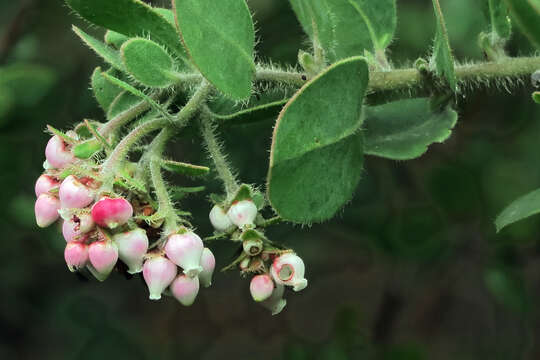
(526, 13)
(519, 209)
(219, 37)
(346, 28)
(244, 192)
(27, 84)
(536, 96)
(498, 18)
(131, 18)
(115, 39)
(317, 154)
(185, 168)
(148, 62)
(103, 90)
(167, 14)
(442, 60)
(403, 130)
(63, 136)
(123, 102)
(87, 149)
(108, 54)
(134, 91)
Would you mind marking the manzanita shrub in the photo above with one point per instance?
(193, 66)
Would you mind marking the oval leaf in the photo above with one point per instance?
(346, 28)
(148, 62)
(403, 130)
(442, 60)
(526, 14)
(219, 37)
(520, 209)
(103, 90)
(131, 18)
(317, 153)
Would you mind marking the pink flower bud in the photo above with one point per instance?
(44, 184)
(158, 273)
(288, 269)
(242, 213)
(76, 255)
(103, 256)
(132, 246)
(219, 219)
(56, 153)
(261, 287)
(185, 289)
(46, 210)
(208, 263)
(185, 250)
(73, 194)
(76, 227)
(275, 303)
(109, 212)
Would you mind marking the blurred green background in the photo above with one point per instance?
(410, 269)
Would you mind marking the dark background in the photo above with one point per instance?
(410, 269)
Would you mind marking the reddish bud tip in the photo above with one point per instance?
(58, 156)
(111, 212)
(261, 287)
(76, 255)
(44, 184)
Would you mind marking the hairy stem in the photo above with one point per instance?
(213, 147)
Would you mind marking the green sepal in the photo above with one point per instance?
(148, 62)
(114, 39)
(87, 149)
(442, 60)
(317, 150)
(62, 135)
(219, 37)
(252, 234)
(185, 168)
(244, 192)
(108, 54)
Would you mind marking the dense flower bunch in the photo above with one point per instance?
(104, 229)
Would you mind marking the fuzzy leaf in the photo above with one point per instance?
(497, 12)
(346, 28)
(519, 209)
(103, 90)
(403, 130)
(108, 54)
(87, 149)
(442, 60)
(115, 39)
(244, 192)
(62, 135)
(219, 37)
(159, 72)
(526, 14)
(131, 18)
(123, 102)
(185, 168)
(317, 155)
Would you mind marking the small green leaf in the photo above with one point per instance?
(148, 62)
(498, 18)
(442, 60)
(317, 154)
(185, 168)
(123, 102)
(519, 209)
(346, 28)
(134, 91)
(403, 130)
(108, 54)
(87, 149)
(219, 37)
(526, 13)
(131, 18)
(103, 90)
(115, 39)
(536, 96)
